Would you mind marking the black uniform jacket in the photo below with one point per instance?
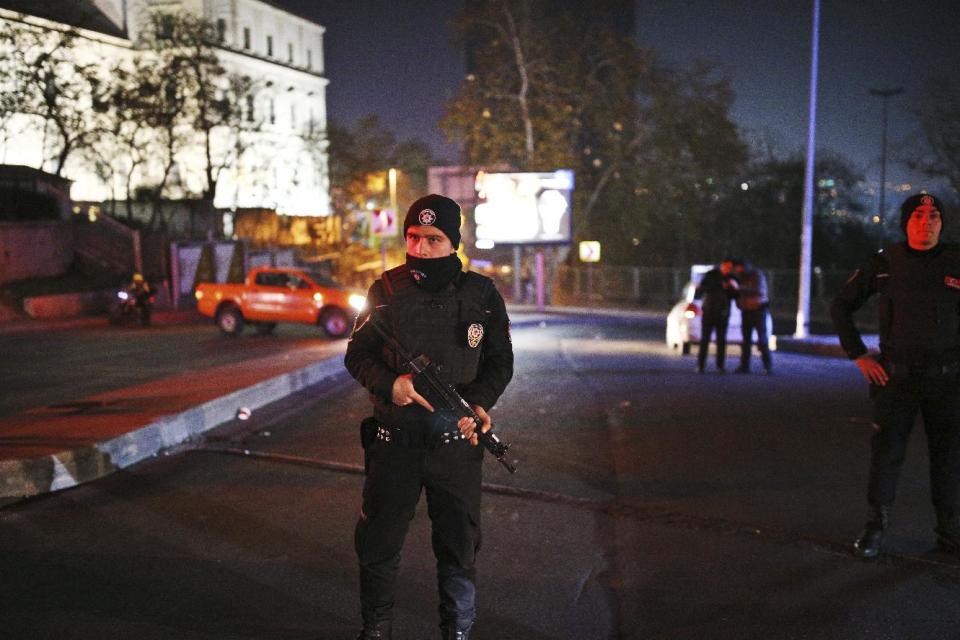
(918, 305)
(369, 363)
(716, 297)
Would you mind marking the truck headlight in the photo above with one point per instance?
(358, 302)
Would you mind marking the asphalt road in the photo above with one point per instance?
(650, 502)
(90, 356)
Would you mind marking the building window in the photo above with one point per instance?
(165, 26)
(221, 30)
(246, 37)
(273, 111)
(269, 45)
(250, 113)
(309, 58)
(290, 52)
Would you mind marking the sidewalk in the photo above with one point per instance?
(60, 446)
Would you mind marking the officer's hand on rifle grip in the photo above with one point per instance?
(404, 393)
(872, 370)
(469, 428)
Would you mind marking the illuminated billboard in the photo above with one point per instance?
(524, 208)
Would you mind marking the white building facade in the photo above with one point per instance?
(284, 168)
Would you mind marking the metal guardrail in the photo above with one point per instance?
(661, 287)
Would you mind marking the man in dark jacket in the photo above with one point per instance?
(918, 368)
(717, 289)
(459, 320)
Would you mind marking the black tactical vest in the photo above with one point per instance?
(919, 302)
(448, 326)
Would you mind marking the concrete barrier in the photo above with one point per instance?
(67, 305)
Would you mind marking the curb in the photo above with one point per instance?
(824, 349)
(21, 479)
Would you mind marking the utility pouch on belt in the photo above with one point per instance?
(368, 431)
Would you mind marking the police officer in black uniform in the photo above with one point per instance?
(459, 320)
(918, 368)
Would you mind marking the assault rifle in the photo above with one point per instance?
(426, 370)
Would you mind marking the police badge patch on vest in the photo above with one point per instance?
(953, 283)
(474, 335)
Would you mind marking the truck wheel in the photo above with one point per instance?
(265, 328)
(230, 321)
(335, 323)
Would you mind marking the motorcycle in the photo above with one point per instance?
(129, 307)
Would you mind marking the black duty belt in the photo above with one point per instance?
(402, 438)
(907, 369)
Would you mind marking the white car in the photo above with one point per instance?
(685, 317)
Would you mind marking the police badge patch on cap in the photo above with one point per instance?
(427, 217)
(474, 335)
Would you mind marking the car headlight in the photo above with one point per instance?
(318, 298)
(358, 302)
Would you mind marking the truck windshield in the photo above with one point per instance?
(325, 281)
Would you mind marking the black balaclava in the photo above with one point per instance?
(433, 274)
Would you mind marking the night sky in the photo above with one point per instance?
(394, 59)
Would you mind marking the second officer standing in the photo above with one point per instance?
(918, 368)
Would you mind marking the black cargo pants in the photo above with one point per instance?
(933, 395)
(451, 476)
(713, 323)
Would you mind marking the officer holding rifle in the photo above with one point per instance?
(459, 321)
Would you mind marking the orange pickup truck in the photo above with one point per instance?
(276, 294)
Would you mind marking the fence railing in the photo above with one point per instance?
(661, 287)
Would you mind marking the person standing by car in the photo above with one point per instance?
(918, 368)
(459, 320)
(717, 289)
(753, 303)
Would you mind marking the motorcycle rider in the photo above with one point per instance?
(141, 293)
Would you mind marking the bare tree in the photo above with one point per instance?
(55, 84)
(939, 117)
(211, 102)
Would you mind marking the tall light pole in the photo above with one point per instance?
(885, 94)
(806, 234)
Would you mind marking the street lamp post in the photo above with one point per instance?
(885, 94)
(806, 219)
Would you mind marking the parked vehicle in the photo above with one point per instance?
(271, 295)
(685, 318)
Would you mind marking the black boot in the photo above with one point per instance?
(869, 542)
(948, 530)
(449, 631)
(376, 630)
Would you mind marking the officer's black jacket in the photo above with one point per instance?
(366, 362)
(716, 297)
(919, 305)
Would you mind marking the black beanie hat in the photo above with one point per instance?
(914, 201)
(435, 211)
